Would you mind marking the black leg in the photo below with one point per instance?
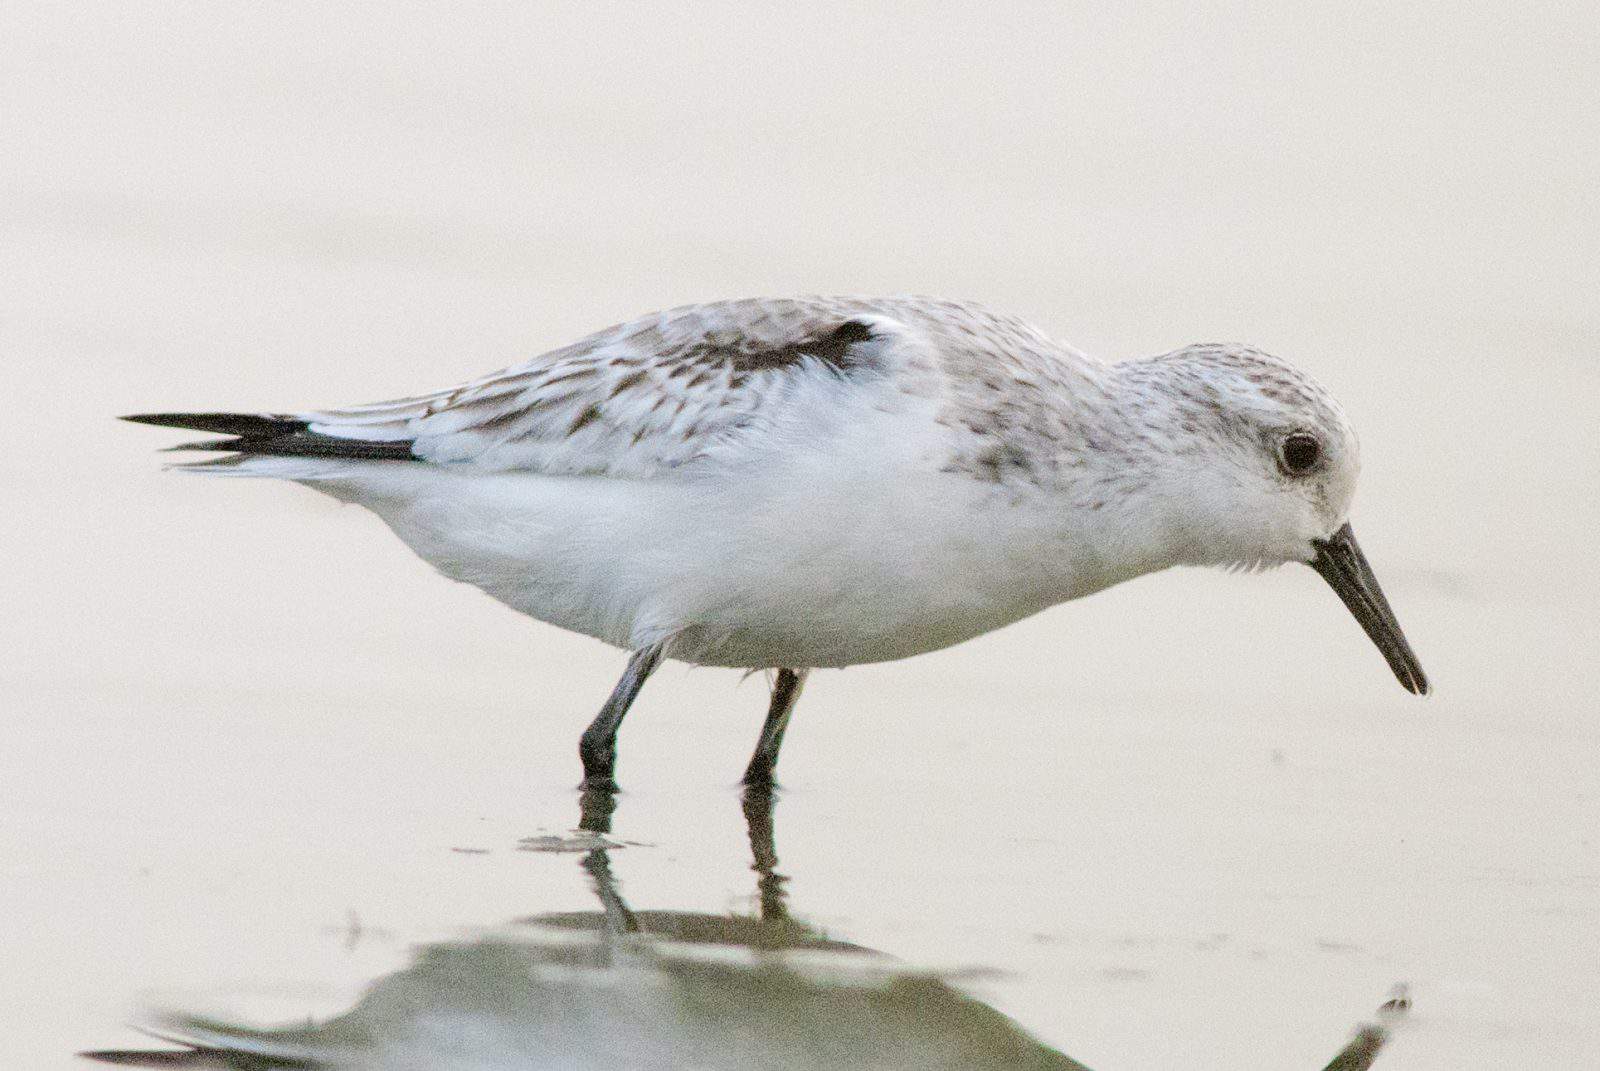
(598, 745)
(785, 693)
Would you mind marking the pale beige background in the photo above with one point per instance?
(1194, 821)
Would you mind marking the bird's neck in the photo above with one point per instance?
(1140, 495)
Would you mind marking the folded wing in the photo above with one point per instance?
(632, 400)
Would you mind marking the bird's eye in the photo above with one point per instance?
(1299, 454)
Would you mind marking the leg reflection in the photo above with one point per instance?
(596, 804)
(597, 801)
(772, 925)
(758, 804)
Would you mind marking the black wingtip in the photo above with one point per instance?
(153, 1057)
(165, 420)
(277, 436)
(199, 1058)
(247, 425)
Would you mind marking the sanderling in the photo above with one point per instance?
(823, 482)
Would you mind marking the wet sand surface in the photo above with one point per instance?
(253, 754)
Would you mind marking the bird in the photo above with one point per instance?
(788, 484)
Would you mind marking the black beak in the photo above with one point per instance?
(1344, 567)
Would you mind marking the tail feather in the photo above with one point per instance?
(274, 436)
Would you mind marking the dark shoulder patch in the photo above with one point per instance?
(832, 348)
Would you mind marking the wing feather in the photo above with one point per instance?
(638, 398)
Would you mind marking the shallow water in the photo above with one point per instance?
(752, 987)
(253, 755)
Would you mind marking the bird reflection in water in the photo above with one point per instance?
(653, 991)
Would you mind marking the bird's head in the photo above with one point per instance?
(1259, 467)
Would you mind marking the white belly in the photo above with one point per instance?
(819, 565)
